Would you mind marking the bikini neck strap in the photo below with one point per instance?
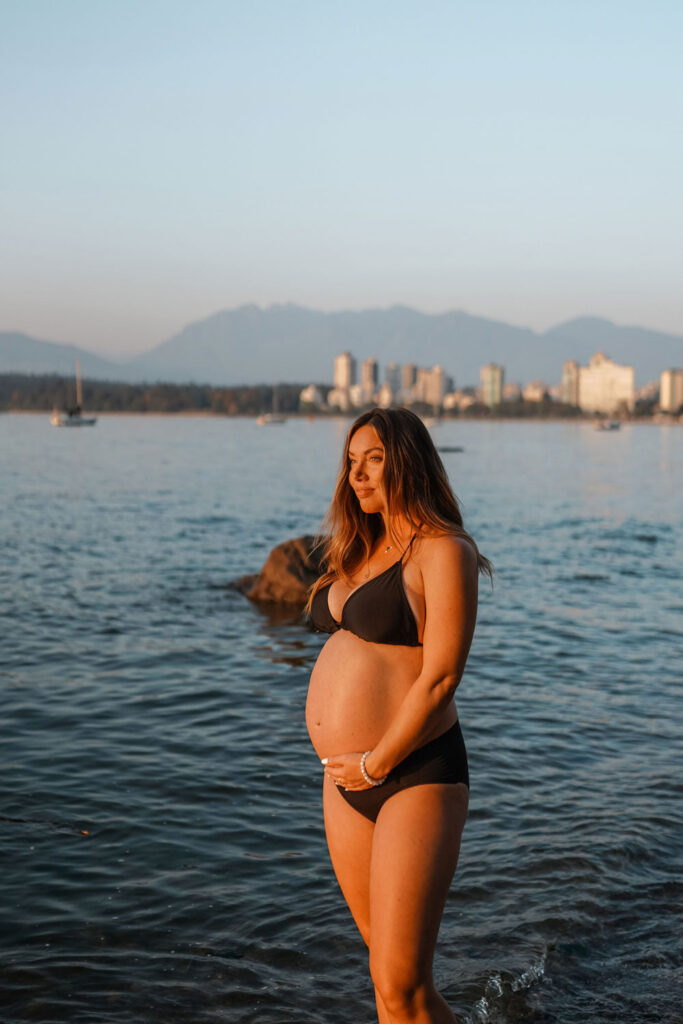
(408, 546)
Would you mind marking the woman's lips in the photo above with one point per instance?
(363, 494)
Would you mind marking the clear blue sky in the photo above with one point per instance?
(164, 160)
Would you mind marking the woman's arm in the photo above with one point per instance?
(450, 575)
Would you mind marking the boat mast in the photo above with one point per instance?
(79, 389)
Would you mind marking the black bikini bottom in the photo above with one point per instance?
(441, 760)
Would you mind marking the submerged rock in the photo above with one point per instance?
(286, 576)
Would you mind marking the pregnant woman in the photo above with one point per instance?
(400, 601)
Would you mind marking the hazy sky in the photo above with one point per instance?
(165, 160)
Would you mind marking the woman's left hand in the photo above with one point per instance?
(344, 770)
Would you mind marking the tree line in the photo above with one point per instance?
(42, 393)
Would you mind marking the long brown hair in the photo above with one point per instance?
(416, 486)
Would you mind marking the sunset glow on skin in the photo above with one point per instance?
(380, 710)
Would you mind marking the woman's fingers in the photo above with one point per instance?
(344, 770)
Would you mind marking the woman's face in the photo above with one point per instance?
(366, 469)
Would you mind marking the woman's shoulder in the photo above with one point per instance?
(444, 549)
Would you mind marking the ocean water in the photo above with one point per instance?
(162, 855)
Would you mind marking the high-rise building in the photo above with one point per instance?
(671, 390)
(491, 377)
(605, 386)
(431, 385)
(344, 370)
(437, 386)
(569, 388)
(369, 378)
(421, 386)
(408, 377)
(392, 376)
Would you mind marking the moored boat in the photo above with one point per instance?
(73, 417)
(607, 425)
(267, 419)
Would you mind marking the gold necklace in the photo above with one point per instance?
(386, 552)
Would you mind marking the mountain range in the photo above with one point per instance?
(288, 343)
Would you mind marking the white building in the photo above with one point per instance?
(357, 396)
(671, 390)
(458, 400)
(311, 395)
(338, 398)
(605, 386)
(385, 396)
(421, 385)
(535, 391)
(439, 384)
(344, 370)
(491, 377)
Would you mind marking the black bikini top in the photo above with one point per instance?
(377, 611)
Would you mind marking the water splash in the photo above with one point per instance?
(490, 1008)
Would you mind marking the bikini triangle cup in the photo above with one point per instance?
(377, 611)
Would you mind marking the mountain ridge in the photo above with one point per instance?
(285, 342)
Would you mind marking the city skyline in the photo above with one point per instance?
(603, 387)
(517, 162)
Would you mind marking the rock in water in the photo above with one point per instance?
(289, 571)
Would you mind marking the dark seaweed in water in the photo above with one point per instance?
(160, 713)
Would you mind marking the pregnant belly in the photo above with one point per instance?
(355, 690)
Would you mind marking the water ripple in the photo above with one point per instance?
(163, 854)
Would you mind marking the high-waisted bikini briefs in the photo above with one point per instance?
(442, 760)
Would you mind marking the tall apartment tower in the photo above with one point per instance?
(569, 386)
(393, 377)
(492, 377)
(408, 377)
(605, 385)
(369, 378)
(344, 370)
(671, 390)
(437, 386)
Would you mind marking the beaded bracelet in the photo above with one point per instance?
(368, 778)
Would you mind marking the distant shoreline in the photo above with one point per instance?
(656, 421)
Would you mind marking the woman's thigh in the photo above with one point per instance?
(349, 839)
(415, 850)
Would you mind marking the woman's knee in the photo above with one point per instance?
(404, 992)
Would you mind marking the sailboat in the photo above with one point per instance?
(73, 417)
(266, 419)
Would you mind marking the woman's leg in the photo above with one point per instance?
(414, 853)
(349, 838)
